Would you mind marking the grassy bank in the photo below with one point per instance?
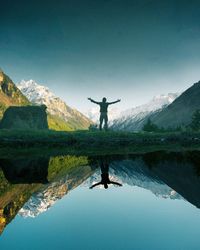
(87, 142)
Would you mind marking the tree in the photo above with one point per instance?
(195, 124)
(150, 127)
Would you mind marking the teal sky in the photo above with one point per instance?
(131, 50)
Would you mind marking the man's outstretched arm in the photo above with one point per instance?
(115, 183)
(90, 99)
(96, 184)
(114, 102)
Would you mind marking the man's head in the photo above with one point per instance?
(104, 99)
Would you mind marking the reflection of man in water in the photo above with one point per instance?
(103, 111)
(105, 181)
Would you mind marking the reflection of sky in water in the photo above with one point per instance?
(117, 218)
(156, 208)
(119, 172)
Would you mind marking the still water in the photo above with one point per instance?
(146, 201)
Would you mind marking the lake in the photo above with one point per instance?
(148, 201)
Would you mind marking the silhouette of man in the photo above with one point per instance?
(105, 180)
(103, 111)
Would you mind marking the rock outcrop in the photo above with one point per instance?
(27, 117)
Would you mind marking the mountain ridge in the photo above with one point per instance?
(134, 119)
(179, 112)
(59, 112)
(10, 95)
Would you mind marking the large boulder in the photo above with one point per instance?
(25, 117)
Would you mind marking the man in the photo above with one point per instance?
(105, 180)
(103, 111)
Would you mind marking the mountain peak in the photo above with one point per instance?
(28, 83)
(39, 94)
(35, 92)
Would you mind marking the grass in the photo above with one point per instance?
(87, 142)
(56, 123)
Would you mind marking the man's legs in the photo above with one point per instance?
(103, 117)
(101, 122)
(106, 122)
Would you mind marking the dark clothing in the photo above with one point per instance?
(103, 107)
(103, 114)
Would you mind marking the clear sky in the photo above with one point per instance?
(124, 49)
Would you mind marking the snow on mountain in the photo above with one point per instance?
(134, 119)
(38, 94)
(42, 201)
(35, 93)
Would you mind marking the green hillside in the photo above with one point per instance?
(10, 95)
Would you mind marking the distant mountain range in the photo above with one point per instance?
(135, 118)
(167, 111)
(61, 116)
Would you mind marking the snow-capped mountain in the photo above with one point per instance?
(135, 118)
(38, 94)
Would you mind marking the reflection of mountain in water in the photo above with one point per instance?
(169, 175)
(31, 186)
(20, 179)
(45, 198)
(180, 172)
(136, 173)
